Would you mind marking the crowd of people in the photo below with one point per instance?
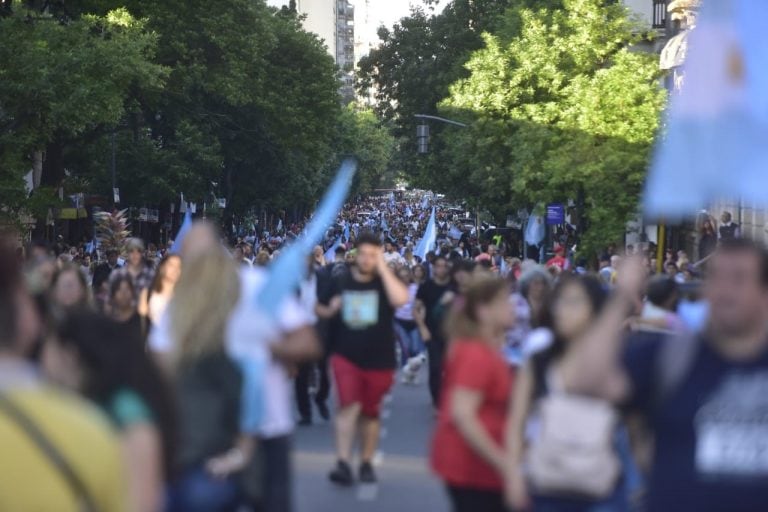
(145, 379)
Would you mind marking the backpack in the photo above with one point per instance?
(574, 453)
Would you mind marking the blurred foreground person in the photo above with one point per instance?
(264, 347)
(58, 452)
(703, 396)
(216, 432)
(576, 303)
(94, 356)
(69, 288)
(468, 447)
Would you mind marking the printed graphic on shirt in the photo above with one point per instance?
(732, 429)
(360, 309)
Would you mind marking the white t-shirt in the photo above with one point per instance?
(249, 334)
(157, 306)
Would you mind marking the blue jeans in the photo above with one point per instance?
(197, 491)
(409, 340)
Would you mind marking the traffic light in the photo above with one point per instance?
(422, 138)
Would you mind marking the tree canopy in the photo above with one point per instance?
(560, 105)
(232, 98)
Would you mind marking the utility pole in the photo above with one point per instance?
(113, 143)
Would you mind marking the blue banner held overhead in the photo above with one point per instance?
(330, 254)
(185, 227)
(427, 242)
(290, 268)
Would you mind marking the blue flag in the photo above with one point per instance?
(290, 268)
(535, 231)
(427, 242)
(716, 142)
(346, 232)
(185, 227)
(330, 254)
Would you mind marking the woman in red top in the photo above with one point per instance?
(468, 447)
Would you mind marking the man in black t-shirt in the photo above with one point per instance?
(362, 351)
(432, 302)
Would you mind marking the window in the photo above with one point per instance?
(659, 13)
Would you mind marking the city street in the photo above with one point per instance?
(405, 482)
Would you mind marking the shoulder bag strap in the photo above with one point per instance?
(54, 456)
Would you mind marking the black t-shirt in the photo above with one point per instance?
(363, 331)
(431, 294)
(711, 450)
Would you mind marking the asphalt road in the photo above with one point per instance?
(405, 481)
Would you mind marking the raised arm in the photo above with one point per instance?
(397, 292)
(594, 368)
(516, 488)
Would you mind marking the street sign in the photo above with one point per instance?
(116, 195)
(555, 214)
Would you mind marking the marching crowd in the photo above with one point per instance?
(555, 387)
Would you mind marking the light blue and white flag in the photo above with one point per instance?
(427, 242)
(290, 267)
(455, 233)
(716, 143)
(346, 232)
(92, 245)
(425, 202)
(330, 254)
(504, 268)
(408, 212)
(535, 230)
(186, 225)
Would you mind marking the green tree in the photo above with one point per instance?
(360, 133)
(416, 63)
(63, 85)
(562, 107)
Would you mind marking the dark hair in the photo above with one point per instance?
(157, 281)
(462, 266)
(114, 361)
(596, 295)
(745, 245)
(368, 238)
(440, 257)
(115, 283)
(661, 289)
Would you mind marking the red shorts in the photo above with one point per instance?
(355, 385)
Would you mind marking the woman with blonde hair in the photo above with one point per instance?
(215, 440)
(468, 450)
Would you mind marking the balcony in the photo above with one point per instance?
(659, 14)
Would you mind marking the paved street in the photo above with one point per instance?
(406, 483)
